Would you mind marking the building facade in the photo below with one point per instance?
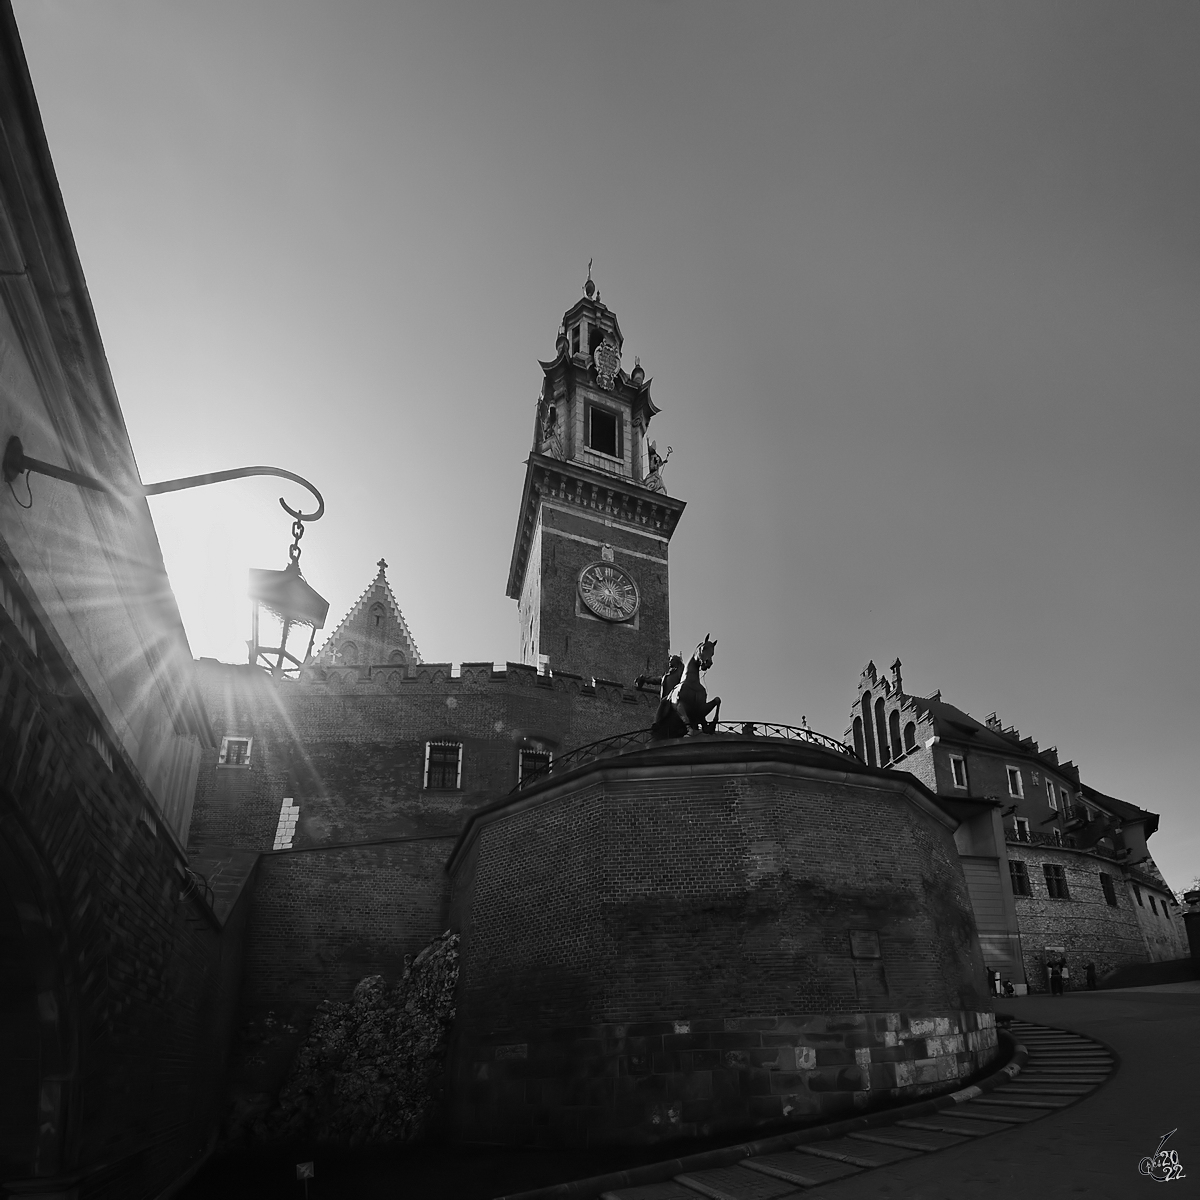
(119, 964)
(1058, 871)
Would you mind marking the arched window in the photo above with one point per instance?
(396, 656)
(378, 612)
(881, 732)
(910, 736)
(894, 730)
(868, 728)
(348, 653)
(858, 738)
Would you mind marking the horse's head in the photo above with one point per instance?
(704, 653)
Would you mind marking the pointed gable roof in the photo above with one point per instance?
(373, 631)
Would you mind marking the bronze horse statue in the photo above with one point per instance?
(684, 703)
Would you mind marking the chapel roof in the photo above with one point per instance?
(373, 631)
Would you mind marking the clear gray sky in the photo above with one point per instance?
(917, 285)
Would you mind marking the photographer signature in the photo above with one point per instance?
(1164, 1166)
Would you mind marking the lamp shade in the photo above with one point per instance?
(287, 595)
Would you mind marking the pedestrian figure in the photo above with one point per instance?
(1066, 976)
(1056, 985)
(1091, 976)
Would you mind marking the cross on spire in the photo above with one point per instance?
(382, 565)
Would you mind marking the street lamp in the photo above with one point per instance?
(284, 594)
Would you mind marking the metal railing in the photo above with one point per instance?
(637, 739)
(1034, 837)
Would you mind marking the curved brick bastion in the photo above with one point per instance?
(707, 936)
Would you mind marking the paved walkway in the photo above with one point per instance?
(1092, 1148)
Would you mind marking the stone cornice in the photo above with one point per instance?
(622, 501)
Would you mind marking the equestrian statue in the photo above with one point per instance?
(683, 701)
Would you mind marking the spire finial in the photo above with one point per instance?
(382, 565)
(589, 287)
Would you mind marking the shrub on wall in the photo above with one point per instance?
(370, 1070)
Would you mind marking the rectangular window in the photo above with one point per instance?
(1022, 829)
(235, 752)
(1056, 881)
(1014, 782)
(534, 764)
(1153, 908)
(1137, 895)
(1057, 836)
(575, 340)
(1049, 794)
(1065, 798)
(1019, 876)
(443, 765)
(1110, 892)
(604, 431)
(958, 768)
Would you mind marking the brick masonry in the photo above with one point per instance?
(120, 981)
(756, 913)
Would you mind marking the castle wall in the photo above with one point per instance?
(363, 880)
(666, 949)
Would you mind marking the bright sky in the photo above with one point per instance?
(918, 286)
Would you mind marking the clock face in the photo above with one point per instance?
(608, 591)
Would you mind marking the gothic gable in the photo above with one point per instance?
(373, 632)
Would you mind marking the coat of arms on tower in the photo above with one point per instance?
(608, 362)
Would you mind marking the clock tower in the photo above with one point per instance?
(589, 563)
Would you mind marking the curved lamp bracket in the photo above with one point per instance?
(16, 462)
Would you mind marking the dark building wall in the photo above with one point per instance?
(118, 1030)
(751, 902)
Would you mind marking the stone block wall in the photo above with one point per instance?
(656, 1080)
(1087, 927)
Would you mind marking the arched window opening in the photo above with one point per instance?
(910, 736)
(881, 731)
(894, 730)
(858, 738)
(868, 728)
(378, 612)
(396, 656)
(348, 654)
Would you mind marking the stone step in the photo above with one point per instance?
(1017, 1090)
(961, 1125)
(652, 1191)
(909, 1139)
(803, 1169)
(858, 1153)
(735, 1183)
(1013, 1116)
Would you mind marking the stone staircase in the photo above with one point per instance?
(1062, 1069)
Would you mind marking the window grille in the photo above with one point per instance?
(443, 765)
(1056, 881)
(534, 764)
(1019, 876)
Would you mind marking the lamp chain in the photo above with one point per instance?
(294, 548)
